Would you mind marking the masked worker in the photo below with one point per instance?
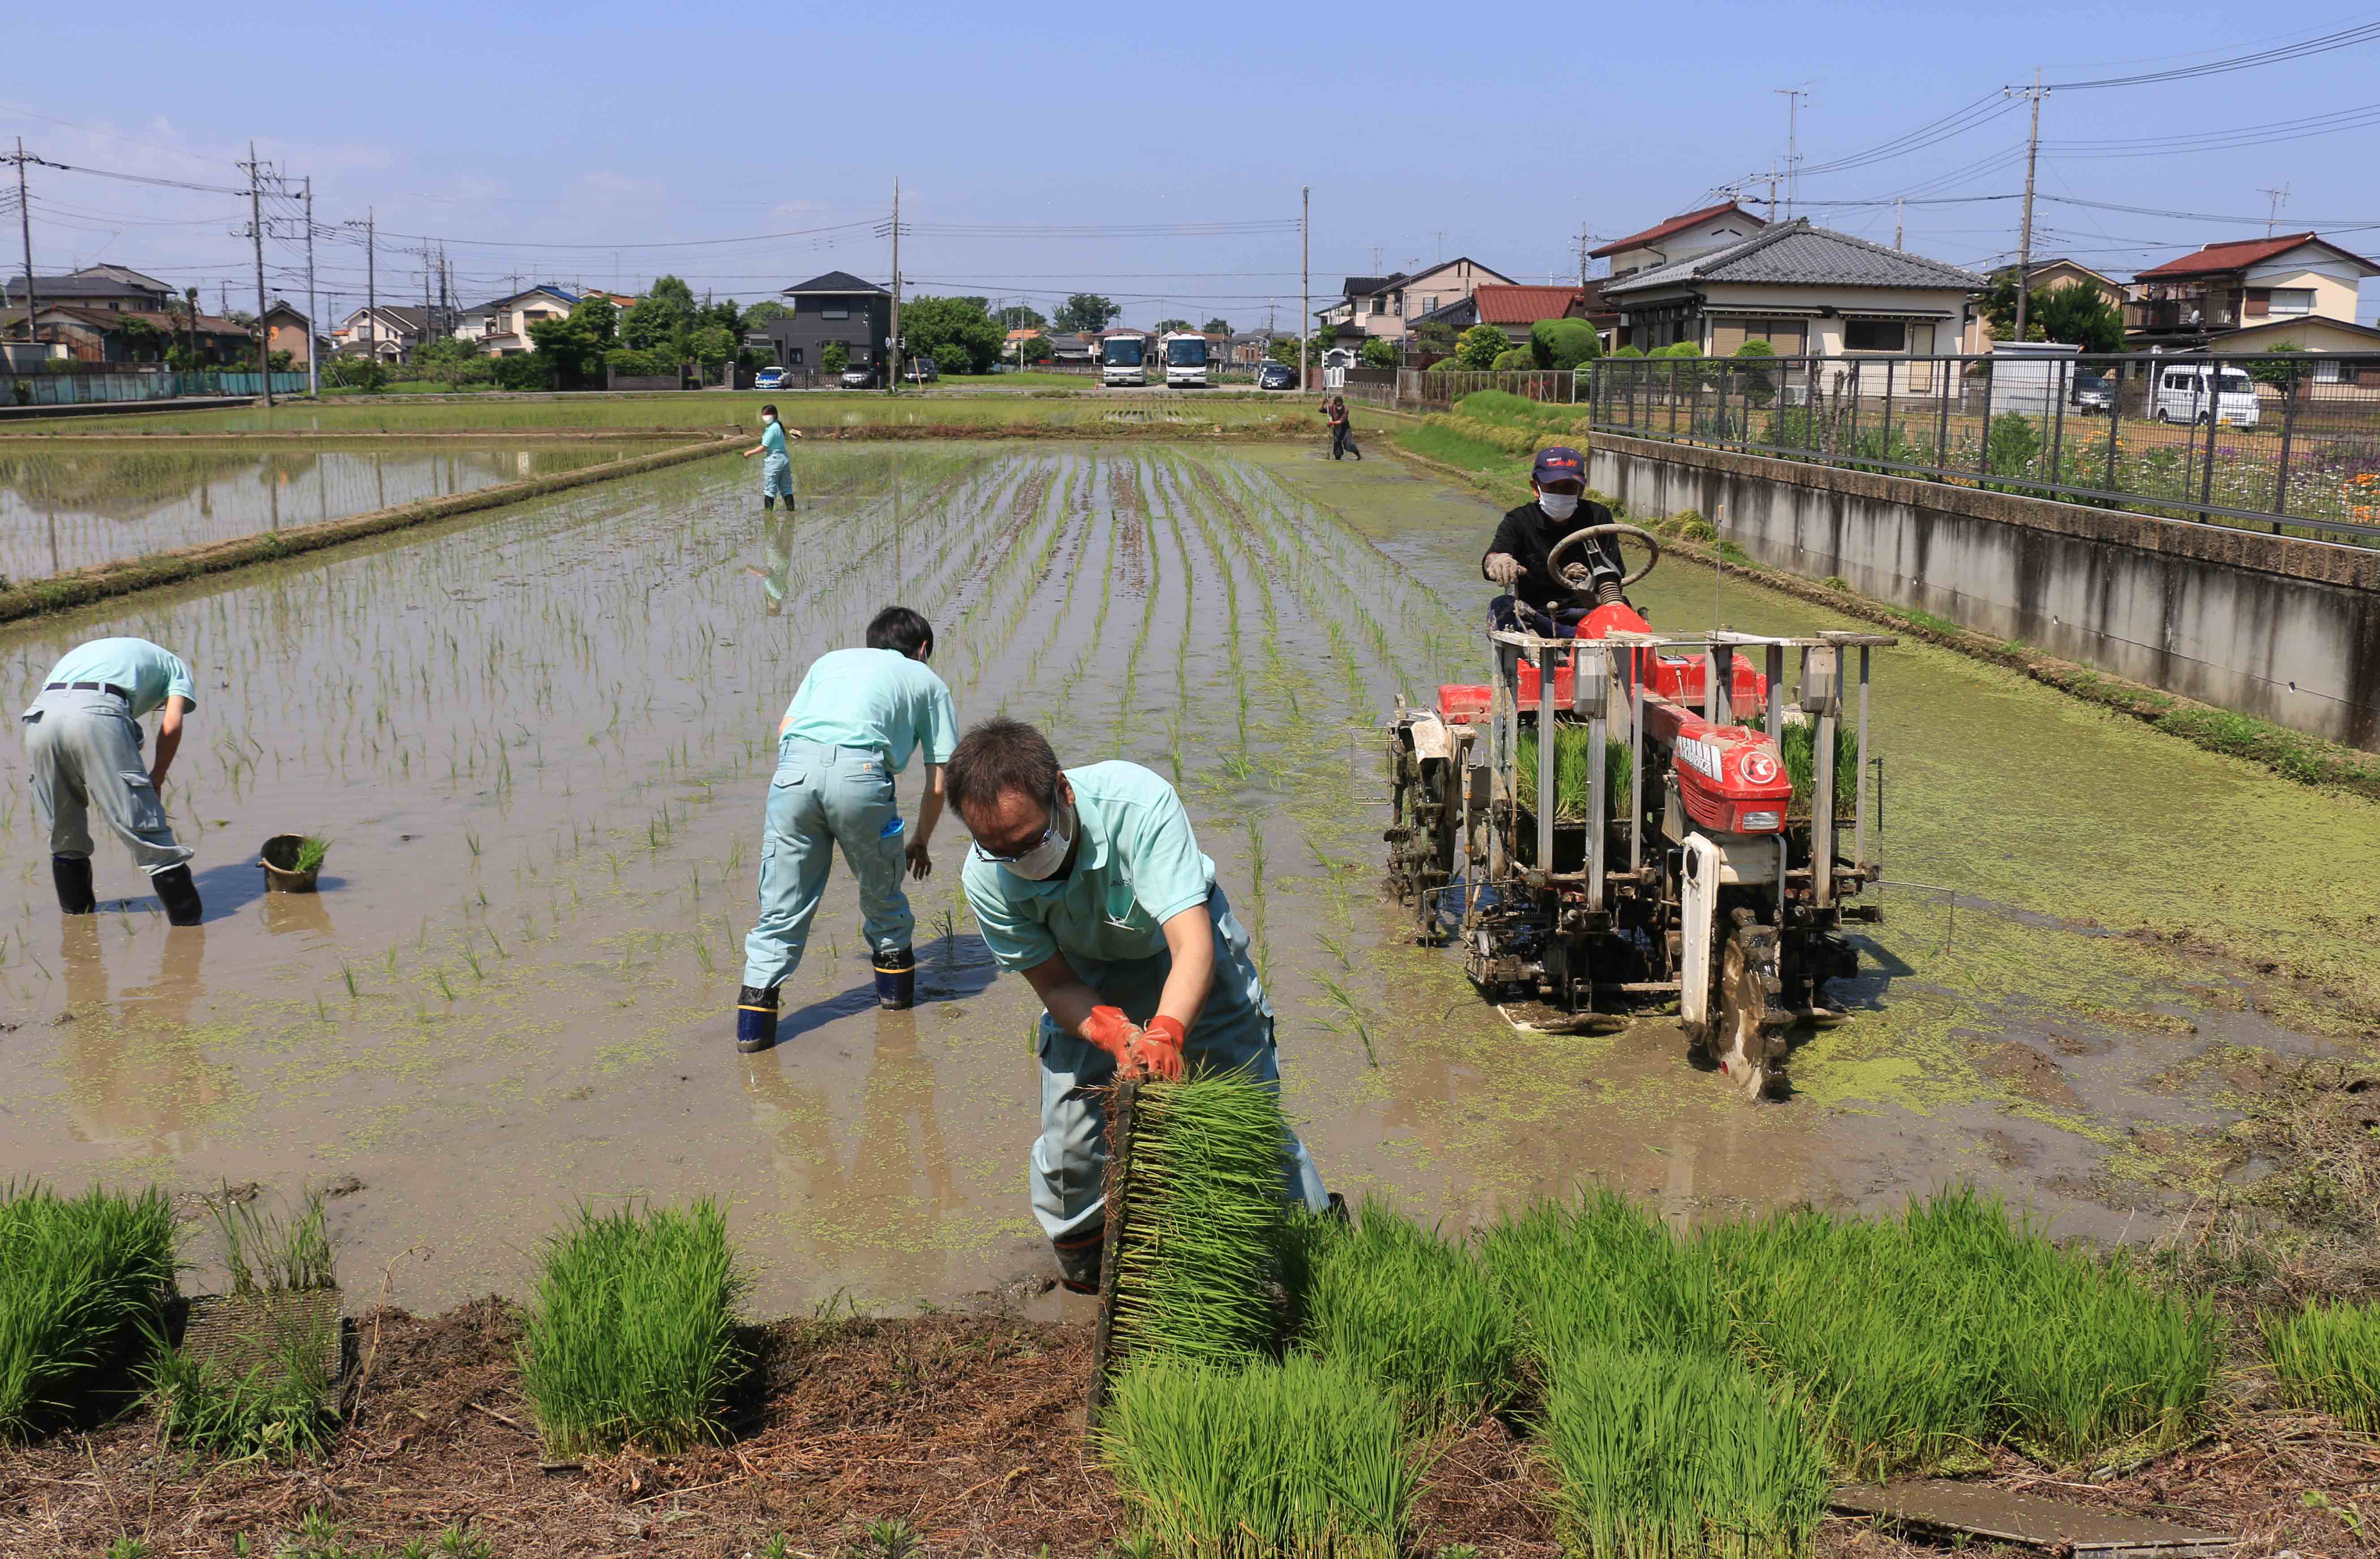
(777, 470)
(1090, 882)
(1534, 600)
(853, 724)
(83, 735)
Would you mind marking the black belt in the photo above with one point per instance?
(89, 688)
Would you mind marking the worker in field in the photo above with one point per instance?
(1342, 432)
(853, 724)
(1090, 882)
(1535, 602)
(777, 470)
(84, 737)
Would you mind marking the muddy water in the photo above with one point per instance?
(71, 506)
(539, 743)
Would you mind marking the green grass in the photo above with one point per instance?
(1572, 790)
(632, 1336)
(1664, 1455)
(1412, 1312)
(2327, 1357)
(1444, 444)
(1204, 1221)
(78, 1277)
(1297, 1458)
(1501, 406)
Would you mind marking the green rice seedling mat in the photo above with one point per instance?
(234, 1332)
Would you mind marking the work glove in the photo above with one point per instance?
(1504, 568)
(1157, 1052)
(1110, 1029)
(920, 859)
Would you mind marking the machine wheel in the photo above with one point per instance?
(1748, 1039)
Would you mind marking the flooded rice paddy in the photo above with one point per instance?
(72, 506)
(539, 741)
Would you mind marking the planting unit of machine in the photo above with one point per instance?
(1692, 869)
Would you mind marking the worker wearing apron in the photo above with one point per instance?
(83, 735)
(1090, 882)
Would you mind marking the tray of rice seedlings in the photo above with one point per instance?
(2327, 1357)
(257, 1370)
(1603, 1272)
(632, 1334)
(1409, 1310)
(1798, 750)
(78, 1277)
(1303, 1457)
(1662, 1453)
(1572, 784)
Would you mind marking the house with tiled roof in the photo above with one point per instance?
(1679, 237)
(2240, 284)
(1388, 306)
(1803, 289)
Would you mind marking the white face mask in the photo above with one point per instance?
(768, 417)
(1039, 863)
(1557, 506)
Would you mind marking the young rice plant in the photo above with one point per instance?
(76, 1278)
(1411, 1311)
(2327, 1357)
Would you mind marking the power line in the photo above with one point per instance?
(2345, 38)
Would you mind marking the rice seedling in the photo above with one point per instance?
(1661, 1454)
(1573, 783)
(632, 1336)
(312, 850)
(2327, 1357)
(1603, 1274)
(78, 1276)
(1203, 1222)
(1409, 1310)
(1798, 750)
(1298, 1458)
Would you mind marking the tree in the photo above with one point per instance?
(1218, 327)
(836, 359)
(1480, 347)
(1284, 351)
(1563, 343)
(1167, 327)
(2079, 315)
(712, 345)
(1087, 311)
(1017, 316)
(956, 332)
(143, 342)
(2264, 370)
(1035, 348)
(660, 318)
(574, 347)
(756, 317)
(1380, 353)
(1434, 339)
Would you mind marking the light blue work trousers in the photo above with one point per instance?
(777, 477)
(821, 797)
(85, 749)
(1234, 1034)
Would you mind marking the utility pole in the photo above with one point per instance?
(2025, 234)
(1772, 191)
(2273, 213)
(1582, 257)
(25, 227)
(1305, 280)
(1792, 96)
(256, 234)
(1897, 206)
(372, 284)
(313, 324)
(1439, 234)
(892, 379)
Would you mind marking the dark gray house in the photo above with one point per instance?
(835, 307)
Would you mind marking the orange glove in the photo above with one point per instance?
(1110, 1029)
(1159, 1050)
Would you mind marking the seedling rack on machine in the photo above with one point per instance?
(1710, 882)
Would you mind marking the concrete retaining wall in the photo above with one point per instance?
(2284, 629)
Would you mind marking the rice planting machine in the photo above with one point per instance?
(1631, 818)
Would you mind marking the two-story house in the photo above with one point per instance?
(501, 327)
(1387, 306)
(837, 306)
(2227, 294)
(1679, 237)
(113, 287)
(388, 332)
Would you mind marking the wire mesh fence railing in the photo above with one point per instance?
(87, 389)
(2284, 442)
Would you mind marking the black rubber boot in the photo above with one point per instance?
(1079, 1260)
(72, 875)
(755, 1019)
(178, 895)
(896, 980)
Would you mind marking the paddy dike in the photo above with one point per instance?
(539, 739)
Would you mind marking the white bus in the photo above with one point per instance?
(1123, 360)
(1186, 360)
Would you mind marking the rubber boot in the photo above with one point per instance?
(179, 895)
(72, 875)
(896, 980)
(1079, 1258)
(755, 1019)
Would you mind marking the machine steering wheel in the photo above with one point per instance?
(1554, 565)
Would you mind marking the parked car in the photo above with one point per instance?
(2186, 394)
(770, 378)
(858, 379)
(2091, 393)
(1276, 376)
(921, 371)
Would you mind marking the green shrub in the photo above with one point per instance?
(2014, 441)
(1411, 1311)
(1303, 1457)
(525, 371)
(2327, 1357)
(1480, 347)
(1630, 350)
(78, 1278)
(633, 1334)
(1664, 1455)
(1517, 359)
(1564, 343)
(1502, 406)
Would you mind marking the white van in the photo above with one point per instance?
(2184, 394)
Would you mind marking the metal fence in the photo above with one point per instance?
(2288, 442)
(88, 388)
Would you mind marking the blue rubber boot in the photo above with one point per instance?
(896, 980)
(755, 1019)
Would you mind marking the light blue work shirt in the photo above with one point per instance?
(772, 438)
(150, 672)
(1138, 865)
(879, 700)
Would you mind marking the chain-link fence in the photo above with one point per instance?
(2285, 442)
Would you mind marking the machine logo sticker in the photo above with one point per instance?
(1759, 768)
(1702, 755)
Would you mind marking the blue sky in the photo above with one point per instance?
(566, 142)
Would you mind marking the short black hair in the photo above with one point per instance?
(897, 628)
(998, 756)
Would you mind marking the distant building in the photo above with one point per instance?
(2045, 275)
(113, 287)
(2241, 283)
(1386, 306)
(837, 306)
(287, 330)
(501, 327)
(103, 335)
(1513, 310)
(1679, 237)
(388, 332)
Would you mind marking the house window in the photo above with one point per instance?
(1875, 336)
(796, 356)
(2293, 300)
(835, 310)
(2327, 371)
(1379, 305)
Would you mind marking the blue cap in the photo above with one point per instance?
(1561, 463)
